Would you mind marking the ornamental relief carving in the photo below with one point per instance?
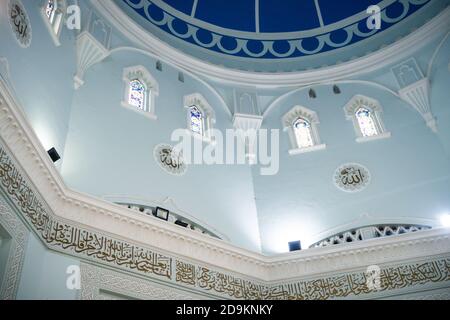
(19, 239)
(95, 280)
(20, 23)
(91, 245)
(351, 177)
(169, 160)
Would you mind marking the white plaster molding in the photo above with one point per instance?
(418, 96)
(381, 136)
(435, 53)
(297, 151)
(19, 239)
(91, 212)
(89, 53)
(389, 55)
(94, 280)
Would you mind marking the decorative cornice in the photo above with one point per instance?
(68, 222)
(395, 52)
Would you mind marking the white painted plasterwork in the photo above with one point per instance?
(85, 215)
(19, 239)
(96, 280)
(418, 96)
(89, 52)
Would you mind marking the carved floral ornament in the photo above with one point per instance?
(20, 23)
(299, 112)
(351, 177)
(169, 160)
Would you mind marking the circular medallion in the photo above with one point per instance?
(169, 160)
(351, 177)
(20, 23)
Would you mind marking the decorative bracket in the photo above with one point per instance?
(248, 124)
(89, 52)
(418, 96)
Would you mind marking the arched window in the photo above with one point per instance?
(50, 9)
(137, 94)
(365, 114)
(200, 116)
(196, 117)
(302, 126)
(366, 122)
(302, 129)
(53, 13)
(141, 90)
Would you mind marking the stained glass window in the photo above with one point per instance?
(303, 134)
(50, 10)
(137, 94)
(366, 122)
(196, 118)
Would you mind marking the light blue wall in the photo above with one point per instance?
(42, 78)
(44, 274)
(410, 171)
(109, 150)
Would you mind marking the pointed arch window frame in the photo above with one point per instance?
(289, 120)
(55, 23)
(141, 74)
(208, 115)
(358, 102)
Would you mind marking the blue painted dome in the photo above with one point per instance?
(298, 35)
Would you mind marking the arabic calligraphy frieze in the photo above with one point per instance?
(88, 244)
(169, 160)
(69, 238)
(20, 23)
(352, 177)
(334, 287)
